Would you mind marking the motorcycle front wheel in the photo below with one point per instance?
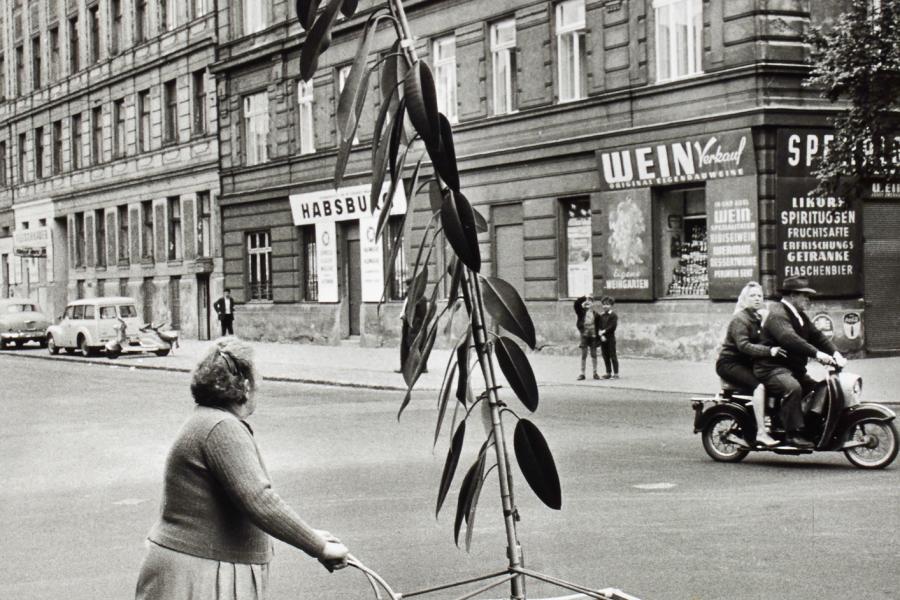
(880, 448)
(716, 442)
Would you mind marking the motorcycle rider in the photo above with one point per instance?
(787, 325)
(741, 346)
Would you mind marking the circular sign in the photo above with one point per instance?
(824, 324)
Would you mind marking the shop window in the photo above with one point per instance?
(256, 128)
(122, 220)
(79, 239)
(393, 233)
(310, 275)
(503, 62)
(681, 243)
(39, 153)
(199, 86)
(570, 56)
(174, 212)
(204, 225)
(343, 74)
(679, 38)
(76, 142)
(147, 229)
(100, 237)
(306, 131)
(259, 265)
(143, 129)
(444, 64)
(576, 247)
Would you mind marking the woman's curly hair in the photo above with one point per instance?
(218, 379)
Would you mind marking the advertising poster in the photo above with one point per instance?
(733, 226)
(580, 272)
(627, 231)
(371, 261)
(326, 261)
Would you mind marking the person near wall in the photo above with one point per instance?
(609, 321)
(587, 322)
(788, 326)
(224, 308)
(741, 347)
(212, 538)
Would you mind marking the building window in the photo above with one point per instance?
(94, 21)
(39, 153)
(54, 54)
(343, 75)
(21, 163)
(123, 286)
(57, 147)
(204, 225)
(444, 57)
(570, 49)
(79, 239)
(100, 237)
(394, 235)
(576, 246)
(74, 46)
(36, 61)
(254, 16)
(174, 206)
(199, 101)
(147, 229)
(122, 219)
(681, 245)
(141, 28)
(256, 128)
(679, 38)
(503, 61)
(166, 15)
(2, 78)
(170, 118)
(259, 265)
(3, 164)
(305, 116)
(119, 128)
(309, 278)
(199, 8)
(20, 71)
(143, 125)
(97, 134)
(76, 142)
(115, 10)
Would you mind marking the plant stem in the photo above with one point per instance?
(407, 41)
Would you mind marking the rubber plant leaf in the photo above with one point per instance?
(435, 195)
(459, 228)
(474, 494)
(349, 7)
(318, 40)
(356, 84)
(306, 12)
(346, 144)
(396, 139)
(462, 359)
(503, 303)
(443, 156)
(421, 100)
(536, 463)
(456, 279)
(481, 225)
(379, 155)
(462, 507)
(517, 370)
(393, 71)
(444, 398)
(415, 293)
(450, 465)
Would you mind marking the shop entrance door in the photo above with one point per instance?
(203, 307)
(882, 277)
(354, 278)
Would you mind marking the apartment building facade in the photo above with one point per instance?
(658, 151)
(109, 155)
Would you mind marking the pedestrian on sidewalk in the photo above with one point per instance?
(609, 321)
(587, 322)
(224, 307)
(211, 540)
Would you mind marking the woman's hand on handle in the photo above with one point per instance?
(335, 554)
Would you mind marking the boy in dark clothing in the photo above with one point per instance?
(607, 323)
(587, 323)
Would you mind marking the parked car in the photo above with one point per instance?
(90, 324)
(21, 320)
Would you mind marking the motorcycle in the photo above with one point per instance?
(836, 420)
(154, 339)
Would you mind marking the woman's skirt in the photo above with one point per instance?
(170, 575)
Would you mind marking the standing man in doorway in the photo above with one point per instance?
(225, 309)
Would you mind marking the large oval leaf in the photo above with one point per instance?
(346, 142)
(318, 40)
(306, 12)
(481, 225)
(464, 500)
(474, 494)
(450, 465)
(517, 370)
(503, 303)
(421, 101)
(462, 359)
(393, 72)
(396, 140)
(435, 195)
(443, 156)
(459, 228)
(349, 7)
(536, 463)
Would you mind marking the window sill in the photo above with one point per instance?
(174, 262)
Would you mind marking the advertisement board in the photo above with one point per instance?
(733, 236)
(371, 261)
(326, 261)
(628, 231)
(343, 204)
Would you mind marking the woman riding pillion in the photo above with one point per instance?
(741, 347)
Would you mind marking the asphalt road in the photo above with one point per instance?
(82, 450)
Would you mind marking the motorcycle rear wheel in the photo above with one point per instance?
(881, 449)
(715, 443)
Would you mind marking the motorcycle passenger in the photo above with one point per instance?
(741, 346)
(789, 326)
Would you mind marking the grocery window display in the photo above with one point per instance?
(682, 259)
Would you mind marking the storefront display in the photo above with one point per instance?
(579, 268)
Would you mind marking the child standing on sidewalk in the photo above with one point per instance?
(587, 323)
(607, 323)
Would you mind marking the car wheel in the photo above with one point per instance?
(83, 346)
(52, 348)
(43, 343)
(162, 352)
(2, 344)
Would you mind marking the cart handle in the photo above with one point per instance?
(375, 580)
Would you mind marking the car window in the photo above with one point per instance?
(17, 308)
(127, 311)
(70, 310)
(107, 312)
(78, 311)
(88, 311)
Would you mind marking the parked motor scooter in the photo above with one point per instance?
(114, 347)
(835, 420)
(168, 337)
